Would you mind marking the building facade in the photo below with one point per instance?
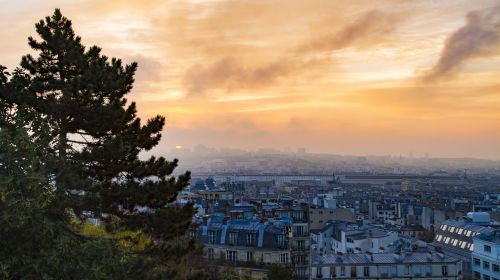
(486, 256)
(386, 266)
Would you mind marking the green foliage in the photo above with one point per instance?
(69, 148)
(277, 272)
(35, 243)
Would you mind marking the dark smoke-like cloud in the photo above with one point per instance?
(368, 28)
(229, 73)
(479, 37)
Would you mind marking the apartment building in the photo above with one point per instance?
(386, 265)
(247, 246)
(486, 256)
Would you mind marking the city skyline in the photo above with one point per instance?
(373, 77)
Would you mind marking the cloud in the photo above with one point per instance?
(232, 73)
(229, 73)
(368, 28)
(479, 37)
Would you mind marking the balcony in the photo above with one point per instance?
(299, 248)
(300, 234)
(245, 264)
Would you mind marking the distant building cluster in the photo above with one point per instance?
(347, 226)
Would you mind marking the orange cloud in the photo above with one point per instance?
(336, 76)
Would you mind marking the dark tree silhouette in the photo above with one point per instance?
(87, 136)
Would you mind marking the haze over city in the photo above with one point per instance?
(369, 77)
(252, 140)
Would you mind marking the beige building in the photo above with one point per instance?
(318, 217)
(251, 261)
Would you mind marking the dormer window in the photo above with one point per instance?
(233, 238)
(251, 238)
(280, 238)
(211, 236)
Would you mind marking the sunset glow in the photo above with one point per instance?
(348, 77)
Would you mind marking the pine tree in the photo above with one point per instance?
(72, 99)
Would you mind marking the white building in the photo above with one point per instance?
(486, 256)
(343, 237)
(386, 265)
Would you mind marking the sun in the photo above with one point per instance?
(178, 147)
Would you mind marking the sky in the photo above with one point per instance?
(344, 77)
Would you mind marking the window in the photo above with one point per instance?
(486, 277)
(486, 265)
(301, 244)
(407, 270)
(249, 256)
(428, 270)
(342, 271)
(487, 248)
(460, 231)
(299, 230)
(318, 272)
(439, 237)
(477, 275)
(231, 256)
(300, 259)
(477, 262)
(394, 270)
(417, 270)
(444, 270)
(354, 273)
(211, 236)
(496, 268)
(455, 242)
(210, 253)
(233, 238)
(299, 215)
(444, 227)
(284, 258)
(366, 271)
(281, 240)
(468, 233)
(463, 245)
(193, 235)
(301, 272)
(251, 238)
(384, 272)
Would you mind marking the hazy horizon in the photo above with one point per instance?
(334, 77)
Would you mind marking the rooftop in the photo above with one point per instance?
(493, 236)
(384, 258)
